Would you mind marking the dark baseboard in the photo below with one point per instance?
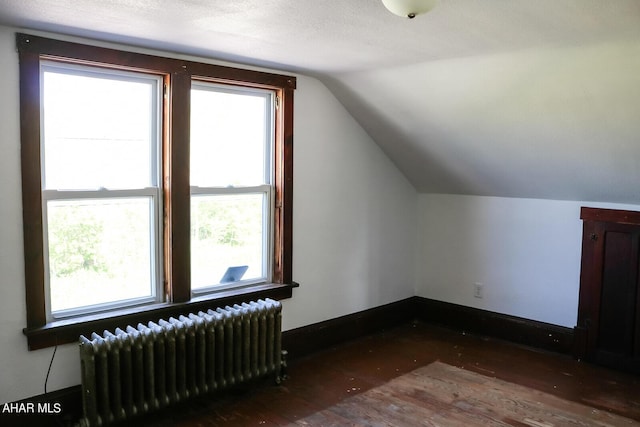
(312, 338)
(518, 330)
(319, 336)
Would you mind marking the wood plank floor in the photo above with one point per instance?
(323, 379)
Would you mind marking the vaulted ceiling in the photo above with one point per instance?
(514, 98)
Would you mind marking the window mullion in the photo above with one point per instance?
(177, 206)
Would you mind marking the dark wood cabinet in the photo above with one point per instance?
(608, 329)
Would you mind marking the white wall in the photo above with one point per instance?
(525, 252)
(354, 217)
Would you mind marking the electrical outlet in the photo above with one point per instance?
(477, 290)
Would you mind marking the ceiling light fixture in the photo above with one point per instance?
(409, 8)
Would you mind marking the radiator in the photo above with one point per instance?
(141, 369)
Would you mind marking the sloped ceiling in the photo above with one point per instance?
(512, 98)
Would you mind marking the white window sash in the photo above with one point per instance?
(267, 226)
(154, 194)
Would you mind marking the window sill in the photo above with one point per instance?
(69, 330)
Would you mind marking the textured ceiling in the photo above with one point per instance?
(331, 35)
(514, 98)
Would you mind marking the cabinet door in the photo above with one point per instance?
(618, 325)
(609, 296)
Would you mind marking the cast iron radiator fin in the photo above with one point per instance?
(140, 369)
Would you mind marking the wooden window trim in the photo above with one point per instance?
(178, 75)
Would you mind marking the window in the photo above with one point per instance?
(101, 199)
(151, 186)
(230, 176)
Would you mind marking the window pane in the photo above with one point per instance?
(98, 130)
(99, 251)
(230, 136)
(226, 231)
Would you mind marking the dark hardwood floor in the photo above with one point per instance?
(323, 379)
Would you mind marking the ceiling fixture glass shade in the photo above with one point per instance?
(409, 8)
